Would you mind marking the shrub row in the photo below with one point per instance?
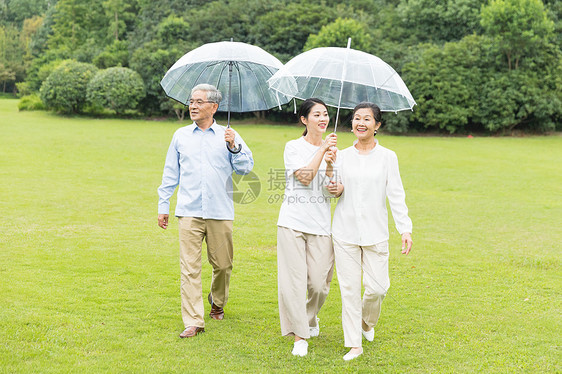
(72, 86)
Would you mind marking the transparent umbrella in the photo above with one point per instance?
(239, 70)
(342, 78)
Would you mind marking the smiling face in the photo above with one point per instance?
(317, 120)
(202, 111)
(364, 124)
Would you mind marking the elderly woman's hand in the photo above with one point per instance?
(406, 243)
(335, 188)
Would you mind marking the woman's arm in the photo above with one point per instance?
(397, 201)
(334, 187)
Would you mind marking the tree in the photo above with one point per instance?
(150, 14)
(120, 14)
(6, 75)
(116, 88)
(115, 54)
(11, 56)
(79, 29)
(172, 30)
(439, 21)
(152, 64)
(65, 88)
(445, 83)
(520, 98)
(519, 27)
(285, 30)
(336, 34)
(15, 12)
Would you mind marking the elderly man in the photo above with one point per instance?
(200, 163)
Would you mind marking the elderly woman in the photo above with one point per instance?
(365, 175)
(305, 256)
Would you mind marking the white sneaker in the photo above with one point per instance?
(315, 331)
(351, 355)
(369, 335)
(300, 348)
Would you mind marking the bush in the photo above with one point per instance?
(40, 71)
(116, 88)
(65, 88)
(31, 102)
(23, 89)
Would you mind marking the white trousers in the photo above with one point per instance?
(305, 266)
(350, 260)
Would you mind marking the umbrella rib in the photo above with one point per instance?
(373, 74)
(316, 86)
(220, 75)
(392, 75)
(203, 70)
(236, 64)
(177, 81)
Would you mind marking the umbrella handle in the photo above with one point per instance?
(234, 151)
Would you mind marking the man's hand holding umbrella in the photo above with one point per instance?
(229, 138)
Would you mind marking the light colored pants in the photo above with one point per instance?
(218, 236)
(350, 259)
(305, 262)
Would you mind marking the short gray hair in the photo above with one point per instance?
(213, 94)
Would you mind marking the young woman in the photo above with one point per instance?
(305, 256)
(366, 175)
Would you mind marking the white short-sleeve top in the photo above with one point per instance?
(304, 208)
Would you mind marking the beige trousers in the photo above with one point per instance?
(305, 262)
(350, 260)
(218, 236)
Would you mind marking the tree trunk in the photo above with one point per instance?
(180, 113)
(260, 115)
(512, 126)
(116, 26)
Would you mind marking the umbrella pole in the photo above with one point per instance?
(342, 78)
(239, 148)
(229, 90)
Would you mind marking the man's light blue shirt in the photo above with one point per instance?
(200, 164)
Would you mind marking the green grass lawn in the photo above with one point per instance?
(89, 283)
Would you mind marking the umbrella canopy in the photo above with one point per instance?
(342, 78)
(239, 70)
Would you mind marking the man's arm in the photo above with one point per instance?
(170, 180)
(243, 161)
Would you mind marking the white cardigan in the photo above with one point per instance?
(361, 217)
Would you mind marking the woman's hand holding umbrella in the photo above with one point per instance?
(330, 154)
(330, 141)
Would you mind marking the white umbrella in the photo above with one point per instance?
(342, 78)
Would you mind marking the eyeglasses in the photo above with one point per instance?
(198, 102)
